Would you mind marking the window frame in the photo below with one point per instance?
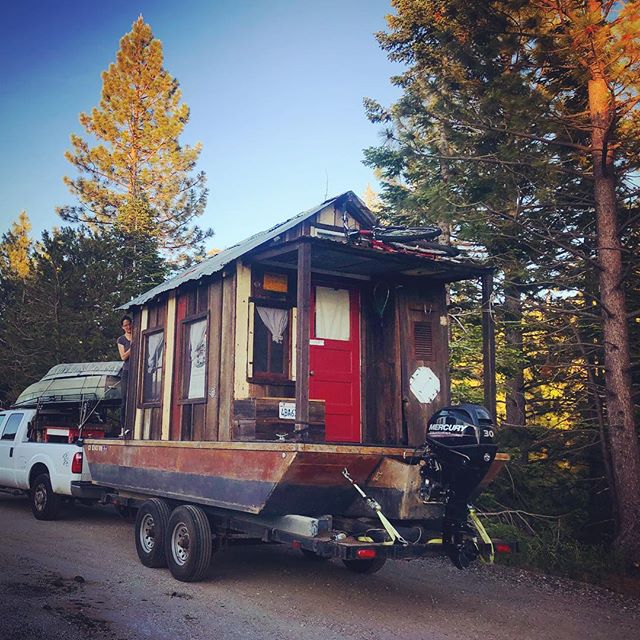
(270, 377)
(183, 345)
(6, 422)
(146, 404)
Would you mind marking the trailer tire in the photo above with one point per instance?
(45, 504)
(188, 543)
(150, 531)
(370, 565)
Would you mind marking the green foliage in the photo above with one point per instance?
(65, 310)
(492, 137)
(562, 556)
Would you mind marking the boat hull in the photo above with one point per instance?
(262, 478)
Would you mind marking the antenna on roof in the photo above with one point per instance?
(326, 184)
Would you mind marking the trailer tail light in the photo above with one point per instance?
(366, 554)
(76, 464)
(503, 547)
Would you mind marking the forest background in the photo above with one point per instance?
(517, 131)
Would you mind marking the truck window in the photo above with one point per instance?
(11, 426)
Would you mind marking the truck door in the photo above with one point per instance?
(9, 425)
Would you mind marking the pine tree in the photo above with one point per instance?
(522, 120)
(15, 248)
(138, 158)
(65, 309)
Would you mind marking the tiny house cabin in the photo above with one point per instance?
(300, 332)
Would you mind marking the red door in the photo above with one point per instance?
(334, 360)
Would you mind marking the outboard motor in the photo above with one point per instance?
(459, 442)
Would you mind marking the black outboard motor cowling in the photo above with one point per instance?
(460, 441)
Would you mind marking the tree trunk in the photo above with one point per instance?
(623, 437)
(514, 385)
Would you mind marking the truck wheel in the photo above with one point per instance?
(44, 503)
(150, 530)
(188, 544)
(371, 565)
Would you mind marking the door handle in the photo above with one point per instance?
(312, 373)
(11, 452)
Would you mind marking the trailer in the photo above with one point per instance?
(294, 388)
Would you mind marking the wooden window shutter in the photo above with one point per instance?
(422, 341)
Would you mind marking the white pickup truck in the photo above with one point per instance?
(42, 469)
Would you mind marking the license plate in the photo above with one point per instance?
(287, 410)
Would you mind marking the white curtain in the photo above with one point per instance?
(275, 320)
(155, 345)
(198, 358)
(332, 313)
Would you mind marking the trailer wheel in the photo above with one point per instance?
(45, 504)
(150, 530)
(188, 544)
(370, 565)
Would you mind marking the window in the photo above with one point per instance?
(271, 341)
(11, 426)
(152, 367)
(332, 320)
(194, 359)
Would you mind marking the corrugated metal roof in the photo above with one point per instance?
(219, 261)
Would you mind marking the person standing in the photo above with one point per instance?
(124, 349)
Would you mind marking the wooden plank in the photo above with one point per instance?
(227, 360)
(137, 429)
(250, 332)
(197, 420)
(146, 424)
(294, 342)
(213, 365)
(422, 307)
(302, 339)
(155, 427)
(382, 374)
(170, 339)
(132, 391)
(488, 346)
(243, 293)
(175, 426)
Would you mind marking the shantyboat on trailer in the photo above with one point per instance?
(295, 388)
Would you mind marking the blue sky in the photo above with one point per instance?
(275, 90)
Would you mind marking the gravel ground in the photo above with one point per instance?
(79, 578)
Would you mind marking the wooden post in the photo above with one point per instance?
(488, 345)
(302, 335)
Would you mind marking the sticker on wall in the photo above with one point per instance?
(424, 385)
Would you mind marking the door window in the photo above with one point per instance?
(332, 314)
(11, 426)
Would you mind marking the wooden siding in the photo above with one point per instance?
(227, 356)
(212, 418)
(383, 397)
(422, 305)
(142, 326)
(170, 360)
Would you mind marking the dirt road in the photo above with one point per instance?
(80, 578)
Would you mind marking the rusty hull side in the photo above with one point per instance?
(269, 478)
